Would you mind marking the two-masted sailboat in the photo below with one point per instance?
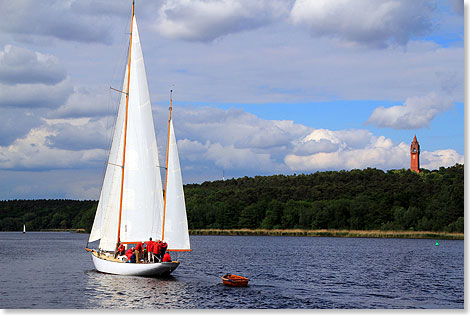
(132, 207)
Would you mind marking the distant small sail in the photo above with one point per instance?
(24, 228)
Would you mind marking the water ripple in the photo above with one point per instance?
(284, 272)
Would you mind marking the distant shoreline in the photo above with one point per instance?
(333, 233)
(52, 230)
(63, 230)
(310, 233)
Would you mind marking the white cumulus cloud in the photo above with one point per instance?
(210, 142)
(35, 95)
(378, 153)
(31, 79)
(86, 101)
(20, 65)
(434, 160)
(365, 22)
(65, 20)
(33, 153)
(231, 157)
(416, 112)
(199, 20)
(231, 127)
(79, 134)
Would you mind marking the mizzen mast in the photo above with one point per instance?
(125, 126)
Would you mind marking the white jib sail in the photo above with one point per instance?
(142, 205)
(176, 223)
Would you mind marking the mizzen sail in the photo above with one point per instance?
(176, 224)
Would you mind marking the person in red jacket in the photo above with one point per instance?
(129, 253)
(163, 247)
(166, 257)
(139, 248)
(121, 249)
(150, 244)
(156, 251)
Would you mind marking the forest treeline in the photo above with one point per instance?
(368, 199)
(49, 214)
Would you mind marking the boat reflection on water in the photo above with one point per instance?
(114, 291)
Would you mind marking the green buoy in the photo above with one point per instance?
(437, 243)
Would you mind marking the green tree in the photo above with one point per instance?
(457, 226)
(273, 215)
(252, 215)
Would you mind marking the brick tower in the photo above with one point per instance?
(414, 151)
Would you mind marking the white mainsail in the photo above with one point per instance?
(142, 197)
(176, 224)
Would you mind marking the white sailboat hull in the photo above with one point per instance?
(133, 269)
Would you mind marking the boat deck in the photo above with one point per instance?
(108, 256)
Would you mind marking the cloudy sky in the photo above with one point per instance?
(261, 87)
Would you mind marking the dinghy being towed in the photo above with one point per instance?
(131, 206)
(234, 280)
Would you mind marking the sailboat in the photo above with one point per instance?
(132, 206)
(24, 229)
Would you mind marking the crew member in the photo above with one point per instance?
(138, 249)
(156, 251)
(121, 249)
(163, 248)
(166, 257)
(143, 254)
(132, 259)
(150, 244)
(129, 253)
(116, 251)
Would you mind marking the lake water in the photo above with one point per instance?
(52, 270)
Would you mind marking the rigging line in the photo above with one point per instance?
(124, 53)
(110, 126)
(125, 127)
(111, 108)
(109, 138)
(118, 90)
(166, 173)
(116, 164)
(122, 60)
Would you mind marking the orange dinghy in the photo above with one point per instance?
(234, 280)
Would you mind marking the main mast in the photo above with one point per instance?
(125, 126)
(166, 172)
